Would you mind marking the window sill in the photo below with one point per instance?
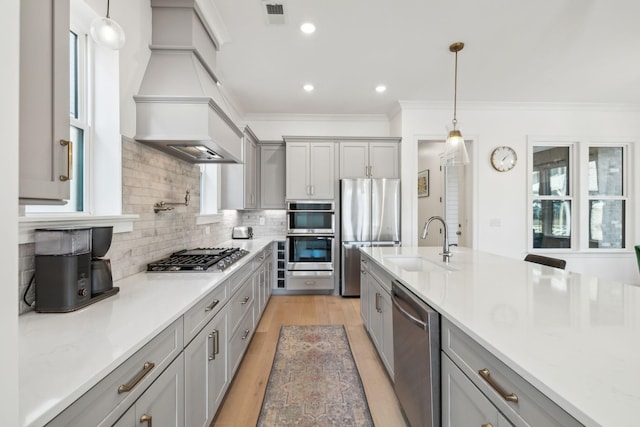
(209, 218)
(27, 224)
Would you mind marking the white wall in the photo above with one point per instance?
(275, 127)
(502, 197)
(9, 78)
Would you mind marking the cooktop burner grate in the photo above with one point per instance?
(199, 259)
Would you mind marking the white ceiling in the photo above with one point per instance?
(567, 51)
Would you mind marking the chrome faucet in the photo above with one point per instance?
(446, 253)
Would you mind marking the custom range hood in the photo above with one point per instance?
(179, 107)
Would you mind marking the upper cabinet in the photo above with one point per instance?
(239, 187)
(310, 170)
(272, 175)
(45, 151)
(369, 159)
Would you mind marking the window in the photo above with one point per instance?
(578, 195)
(79, 130)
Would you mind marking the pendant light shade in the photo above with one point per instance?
(455, 152)
(107, 32)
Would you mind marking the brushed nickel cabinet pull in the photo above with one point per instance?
(69, 146)
(509, 397)
(216, 349)
(212, 305)
(246, 334)
(487, 425)
(146, 419)
(146, 368)
(310, 282)
(245, 300)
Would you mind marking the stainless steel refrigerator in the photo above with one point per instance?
(369, 216)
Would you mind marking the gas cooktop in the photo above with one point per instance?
(199, 259)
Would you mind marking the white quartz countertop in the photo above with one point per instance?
(62, 355)
(575, 338)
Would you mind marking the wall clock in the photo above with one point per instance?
(503, 158)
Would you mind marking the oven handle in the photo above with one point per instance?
(323, 235)
(311, 210)
(310, 273)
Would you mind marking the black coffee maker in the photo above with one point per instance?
(101, 279)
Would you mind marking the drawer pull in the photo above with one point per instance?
(212, 306)
(246, 334)
(146, 419)
(216, 346)
(245, 300)
(487, 425)
(148, 366)
(509, 397)
(69, 146)
(310, 282)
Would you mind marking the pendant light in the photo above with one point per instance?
(455, 153)
(107, 32)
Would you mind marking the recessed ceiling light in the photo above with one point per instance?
(381, 88)
(308, 28)
(308, 87)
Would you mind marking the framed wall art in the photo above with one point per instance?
(423, 183)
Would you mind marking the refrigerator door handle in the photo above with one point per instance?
(386, 244)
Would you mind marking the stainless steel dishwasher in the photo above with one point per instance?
(416, 355)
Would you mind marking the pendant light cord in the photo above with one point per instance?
(455, 91)
(108, 17)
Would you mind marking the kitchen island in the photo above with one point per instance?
(62, 356)
(574, 338)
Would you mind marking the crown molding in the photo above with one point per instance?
(521, 106)
(317, 117)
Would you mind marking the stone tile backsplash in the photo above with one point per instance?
(149, 176)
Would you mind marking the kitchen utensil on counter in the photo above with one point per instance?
(242, 233)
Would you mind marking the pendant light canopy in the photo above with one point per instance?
(107, 32)
(455, 152)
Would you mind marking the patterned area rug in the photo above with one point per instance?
(314, 381)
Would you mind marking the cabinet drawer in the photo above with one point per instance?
(240, 303)
(109, 399)
(532, 407)
(240, 340)
(203, 311)
(296, 283)
(240, 276)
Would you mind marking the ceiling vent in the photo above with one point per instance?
(274, 13)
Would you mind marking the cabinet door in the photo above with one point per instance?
(272, 176)
(163, 402)
(322, 170)
(462, 403)
(375, 313)
(354, 159)
(44, 100)
(383, 160)
(206, 372)
(297, 170)
(387, 330)
(250, 174)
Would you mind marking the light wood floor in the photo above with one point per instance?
(242, 404)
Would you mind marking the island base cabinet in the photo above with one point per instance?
(162, 404)
(463, 404)
(206, 373)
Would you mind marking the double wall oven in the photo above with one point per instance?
(310, 250)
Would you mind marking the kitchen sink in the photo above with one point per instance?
(415, 263)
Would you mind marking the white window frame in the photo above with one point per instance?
(579, 191)
(94, 213)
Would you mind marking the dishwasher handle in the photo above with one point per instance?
(414, 320)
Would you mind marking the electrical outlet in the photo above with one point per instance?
(207, 230)
(261, 220)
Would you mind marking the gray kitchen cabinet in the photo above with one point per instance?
(366, 159)
(379, 312)
(272, 175)
(206, 372)
(263, 280)
(310, 170)
(462, 403)
(45, 151)
(516, 399)
(162, 404)
(239, 183)
(364, 292)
